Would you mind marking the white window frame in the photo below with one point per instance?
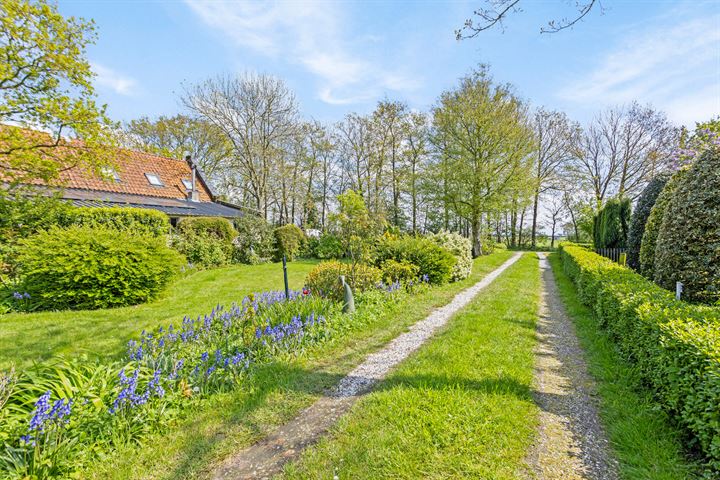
(150, 177)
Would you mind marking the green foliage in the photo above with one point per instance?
(329, 246)
(652, 226)
(403, 272)
(325, 278)
(205, 241)
(688, 243)
(354, 226)
(640, 217)
(433, 260)
(88, 268)
(138, 220)
(255, 241)
(611, 224)
(289, 240)
(47, 93)
(674, 345)
(461, 248)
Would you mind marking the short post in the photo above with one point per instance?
(678, 290)
(287, 288)
(349, 301)
(623, 259)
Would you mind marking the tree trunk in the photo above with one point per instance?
(535, 214)
(477, 247)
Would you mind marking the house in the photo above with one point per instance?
(144, 180)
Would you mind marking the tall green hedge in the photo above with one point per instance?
(674, 345)
(652, 226)
(639, 219)
(611, 224)
(139, 220)
(688, 243)
(205, 241)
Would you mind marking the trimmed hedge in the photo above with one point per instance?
(82, 267)
(205, 241)
(674, 345)
(639, 219)
(215, 227)
(324, 279)
(137, 220)
(289, 240)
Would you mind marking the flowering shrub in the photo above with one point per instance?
(461, 248)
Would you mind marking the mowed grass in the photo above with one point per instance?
(34, 337)
(642, 437)
(273, 395)
(460, 407)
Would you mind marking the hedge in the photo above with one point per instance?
(434, 261)
(137, 220)
(639, 218)
(674, 345)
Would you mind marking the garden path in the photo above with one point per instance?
(267, 457)
(571, 443)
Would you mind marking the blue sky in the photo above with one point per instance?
(341, 57)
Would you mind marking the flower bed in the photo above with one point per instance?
(674, 345)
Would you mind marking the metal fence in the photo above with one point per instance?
(611, 253)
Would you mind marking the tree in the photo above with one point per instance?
(354, 225)
(612, 223)
(481, 131)
(46, 93)
(622, 149)
(416, 153)
(498, 10)
(556, 213)
(389, 125)
(554, 135)
(258, 115)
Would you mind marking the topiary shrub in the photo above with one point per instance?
(639, 219)
(205, 241)
(611, 224)
(461, 247)
(87, 268)
(324, 279)
(652, 226)
(138, 220)
(688, 243)
(255, 241)
(433, 260)
(288, 241)
(212, 227)
(402, 272)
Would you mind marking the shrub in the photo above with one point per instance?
(688, 243)
(611, 224)
(255, 242)
(205, 241)
(288, 241)
(652, 226)
(209, 227)
(461, 248)
(402, 272)
(639, 219)
(87, 268)
(138, 220)
(674, 345)
(432, 260)
(329, 246)
(324, 279)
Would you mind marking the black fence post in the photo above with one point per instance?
(287, 288)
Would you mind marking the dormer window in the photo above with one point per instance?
(110, 174)
(188, 184)
(154, 180)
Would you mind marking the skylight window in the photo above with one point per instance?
(109, 174)
(187, 183)
(154, 180)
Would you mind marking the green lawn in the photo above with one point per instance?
(26, 338)
(645, 443)
(460, 407)
(274, 394)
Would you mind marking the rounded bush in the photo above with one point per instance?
(652, 225)
(403, 272)
(688, 243)
(639, 219)
(433, 260)
(88, 268)
(255, 242)
(205, 241)
(324, 279)
(215, 227)
(288, 241)
(461, 248)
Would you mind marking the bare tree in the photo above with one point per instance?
(258, 114)
(557, 208)
(554, 138)
(416, 152)
(497, 11)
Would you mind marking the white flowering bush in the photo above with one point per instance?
(461, 248)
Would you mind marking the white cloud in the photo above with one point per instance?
(675, 67)
(312, 34)
(120, 84)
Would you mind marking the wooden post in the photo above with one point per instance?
(287, 288)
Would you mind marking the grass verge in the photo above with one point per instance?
(274, 395)
(643, 440)
(460, 407)
(33, 337)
